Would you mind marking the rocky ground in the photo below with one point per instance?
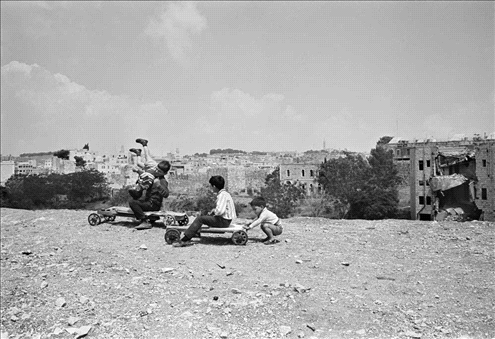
(62, 278)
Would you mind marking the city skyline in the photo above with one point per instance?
(254, 76)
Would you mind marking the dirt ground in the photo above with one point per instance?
(62, 278)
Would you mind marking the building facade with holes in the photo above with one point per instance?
(452, 180)
(302, 175)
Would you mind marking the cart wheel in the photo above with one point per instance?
(171, 236)
(184, 222)
(109, 218)
(94, 219)
(239, 238)
(169, 220)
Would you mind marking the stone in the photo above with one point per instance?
(83, 300)
(72, 320)
(285, 330)
(413, 334)
(60, 302)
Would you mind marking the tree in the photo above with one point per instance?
(383, 140)
(41, 191)
(86, 185)
(342, 179)
(283, 198)
(384, 172)
(80, 162)
(362, 188)
(62, 154)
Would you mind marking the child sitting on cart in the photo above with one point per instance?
(268, 221)
(220, 217)
(147, 168)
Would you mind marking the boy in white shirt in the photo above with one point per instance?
(268, 221)
(221, 216)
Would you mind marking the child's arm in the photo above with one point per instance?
(255, 223)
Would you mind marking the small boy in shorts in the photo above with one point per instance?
(147, 168)
(268, 221)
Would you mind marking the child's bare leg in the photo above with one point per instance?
(136, 159)
(148, 160)
(270, 231)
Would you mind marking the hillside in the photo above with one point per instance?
(62, 278)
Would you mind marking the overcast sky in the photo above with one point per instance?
(251, 75)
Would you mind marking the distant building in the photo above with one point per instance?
(25, 167)
(48, 163)
(301, 174)
(485, 172)
(453, 177)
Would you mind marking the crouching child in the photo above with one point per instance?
(268, 221)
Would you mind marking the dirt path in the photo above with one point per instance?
(62, 278)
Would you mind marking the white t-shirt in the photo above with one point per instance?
(266, 217)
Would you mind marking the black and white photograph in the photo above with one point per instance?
(247, 169)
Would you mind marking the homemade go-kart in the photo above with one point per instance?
(239, 235)
(109, 214)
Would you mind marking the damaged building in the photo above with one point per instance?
(452, 179)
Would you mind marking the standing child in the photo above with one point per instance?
(221, 216)
(268, 221)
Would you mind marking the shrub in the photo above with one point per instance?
(205, 200)
(318, 205)
(182, 204)
(120, 197)
(42, 191)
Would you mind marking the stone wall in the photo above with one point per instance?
(187, 184)
(235, 177)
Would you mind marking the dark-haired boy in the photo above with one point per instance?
(268, 221)
(147, 168)
(221, 216)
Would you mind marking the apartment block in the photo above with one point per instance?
(453, 178)
(485, 172)
(301, 174)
